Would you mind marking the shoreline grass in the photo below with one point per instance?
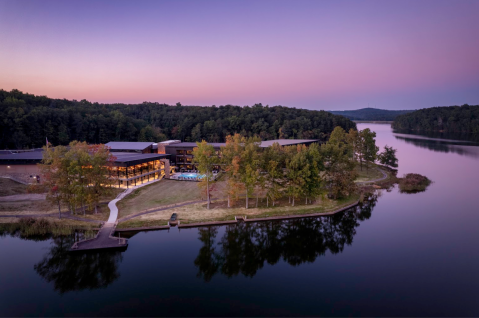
(197, 213)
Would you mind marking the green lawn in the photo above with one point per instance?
(197, 213)
(164, 192)
(369, 172)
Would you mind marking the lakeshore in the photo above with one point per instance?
(150, 206)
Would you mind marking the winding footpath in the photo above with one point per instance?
(105, 238)
(384, 177)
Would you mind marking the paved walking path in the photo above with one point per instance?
(384, 177)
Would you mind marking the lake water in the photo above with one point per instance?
(397, 255)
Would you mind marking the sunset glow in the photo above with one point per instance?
(308, 54)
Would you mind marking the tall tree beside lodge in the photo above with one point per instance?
(205, 157)
(76, 175)
(231, 158)
(54, 176)
(297, 171)
(241, 158)
(316, 164)
(99, 179)
(250, 166)
(339, 164)
(272, 166)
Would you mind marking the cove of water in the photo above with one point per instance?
(396, 255)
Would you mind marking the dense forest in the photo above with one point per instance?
(455, 119)
(372, 114)
(28, 119)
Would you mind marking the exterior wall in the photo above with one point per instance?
(21, 172)
(132, 175)
(167, 167)
(161, 149)
(183, 157)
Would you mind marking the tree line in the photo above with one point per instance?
(298, 172)
(455, 119)
(27, 120)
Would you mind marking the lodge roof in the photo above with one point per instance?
(124, 157)
(193, 144)
(128, 145)
(30, 155)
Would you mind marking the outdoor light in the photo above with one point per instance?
(8, 167)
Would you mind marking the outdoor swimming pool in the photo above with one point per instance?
(193, 175)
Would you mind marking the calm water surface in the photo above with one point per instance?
(397, 255)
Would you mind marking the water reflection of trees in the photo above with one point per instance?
(470, 150)
(77, 271)
(246, 247)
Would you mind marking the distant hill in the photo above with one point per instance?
(373, 114)
(457, 119)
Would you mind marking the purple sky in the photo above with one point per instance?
(305, 54)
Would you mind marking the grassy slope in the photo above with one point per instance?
(219, 212)
(168, 192)
(161, 193)
(10, 187)
(367, 175)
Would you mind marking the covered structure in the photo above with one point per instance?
(131, 169)
(132, 146)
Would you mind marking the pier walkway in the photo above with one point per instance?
(104, 239)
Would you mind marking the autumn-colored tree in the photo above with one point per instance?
(77, 174)
(205, 158)
(53, 178)
(98, 174)
(272, 166)
(241, 161)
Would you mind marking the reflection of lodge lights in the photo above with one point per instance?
(8, 167)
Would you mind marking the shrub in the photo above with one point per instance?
(413, 183)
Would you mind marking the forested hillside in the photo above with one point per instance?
(28, 119)
(460, 119)
(372, 114)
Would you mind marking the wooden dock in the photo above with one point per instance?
(103, 240)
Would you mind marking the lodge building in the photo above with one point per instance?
(135, 162)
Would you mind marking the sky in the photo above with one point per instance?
(332, 55)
